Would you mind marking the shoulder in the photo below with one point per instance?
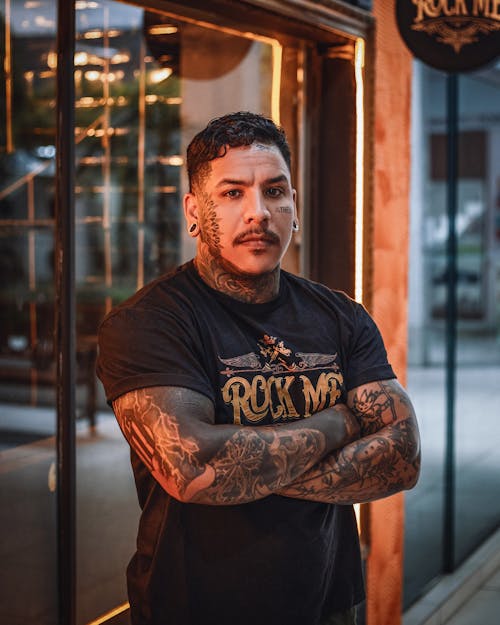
(338, 300)
(173, 294)
(168, 311)
(153, 339)
(351, 319)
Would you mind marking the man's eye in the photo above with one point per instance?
(233, 193)
(274, 191)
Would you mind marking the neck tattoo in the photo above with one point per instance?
(222, 276)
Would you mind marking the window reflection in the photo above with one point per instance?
(477, 367)
(27, 371)
(144, 84)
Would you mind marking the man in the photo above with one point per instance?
(258, 406)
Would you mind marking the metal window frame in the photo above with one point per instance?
(65, 317)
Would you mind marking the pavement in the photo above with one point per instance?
(469, 596)
(483, 607)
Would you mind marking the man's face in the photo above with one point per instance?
(245, 208)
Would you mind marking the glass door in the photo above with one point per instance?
(145, 83)
(28, 585)
(459, 509)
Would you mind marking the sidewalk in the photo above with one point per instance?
(469, 596)
(483, 607)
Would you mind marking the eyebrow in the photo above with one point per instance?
(243, 183)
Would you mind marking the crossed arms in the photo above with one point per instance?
(357, 452)
(383, 461)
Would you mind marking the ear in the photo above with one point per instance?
(294, 197)
(190, 204)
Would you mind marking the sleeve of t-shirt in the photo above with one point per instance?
(139, 349)
(367, 356)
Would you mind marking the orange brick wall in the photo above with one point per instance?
(390, 268)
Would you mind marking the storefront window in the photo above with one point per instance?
(27, 368)
(476, 397)
(477, 514)
(145, 83)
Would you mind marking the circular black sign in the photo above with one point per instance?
(451, 35)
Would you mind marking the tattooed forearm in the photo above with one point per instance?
(385, 461)
(155, 438)
(374, 467)
(374, 406)
(253, 464)
(196, 461)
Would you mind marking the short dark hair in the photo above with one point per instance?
(232, 130)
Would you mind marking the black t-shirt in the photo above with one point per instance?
(277, 560)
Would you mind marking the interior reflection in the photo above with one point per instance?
(144, 84)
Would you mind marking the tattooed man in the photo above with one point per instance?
(259, 406)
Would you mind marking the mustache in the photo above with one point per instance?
(264, 234)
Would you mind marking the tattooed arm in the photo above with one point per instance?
(172, 430)
(385, 460)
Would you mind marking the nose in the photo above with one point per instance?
(256, 209)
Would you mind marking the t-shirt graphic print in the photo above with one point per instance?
(288, 385)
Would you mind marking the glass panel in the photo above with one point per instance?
(145, 84)
(28, 584)
(426, 374)
(477, 397)
(478, 374)
(110, 151)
